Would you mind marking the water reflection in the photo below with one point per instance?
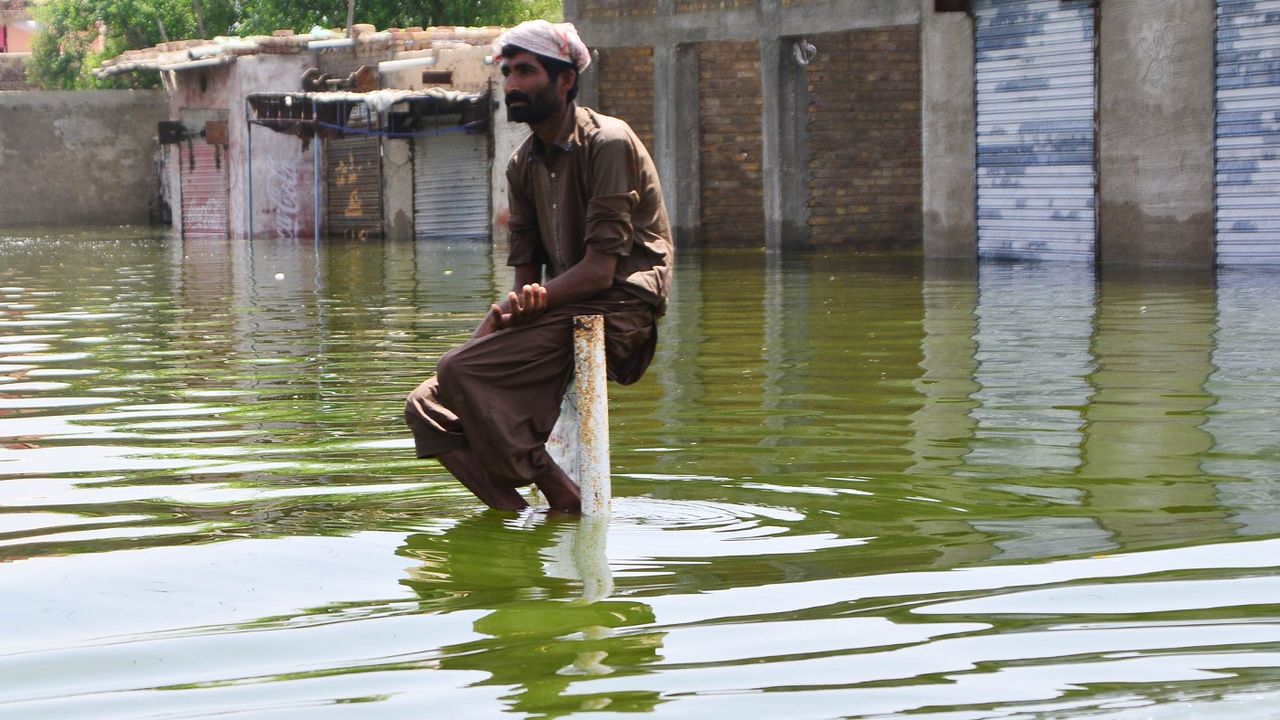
(850, 485)
(540, 641)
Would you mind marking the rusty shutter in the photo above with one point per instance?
(451, 187)
(354, 165)
(205, 186)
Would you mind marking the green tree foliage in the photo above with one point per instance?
(75, 36)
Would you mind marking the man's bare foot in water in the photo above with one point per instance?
(561, 492)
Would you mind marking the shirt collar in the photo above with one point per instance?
(572, 139)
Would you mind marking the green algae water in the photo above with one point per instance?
(850, 486)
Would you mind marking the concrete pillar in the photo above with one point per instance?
(397, 189)
(1156, 104)
(785, 86)
(949, 141)
(675, 130)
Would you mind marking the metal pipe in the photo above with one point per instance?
(315, 172)
(593, 404)
(325, 44)
(248, 128)
(579, 443)
(387, 66)
(195, 64)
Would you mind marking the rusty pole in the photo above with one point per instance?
(580, 441)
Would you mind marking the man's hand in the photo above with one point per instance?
(517, 309)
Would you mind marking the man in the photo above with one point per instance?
(589, 236)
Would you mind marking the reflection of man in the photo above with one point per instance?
(586, 210)
(539, 637)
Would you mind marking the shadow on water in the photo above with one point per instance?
(850, 486)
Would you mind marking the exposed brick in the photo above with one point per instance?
(689, 6)
(618, 8)
(626, 88)
(731, 144)
(864, 125)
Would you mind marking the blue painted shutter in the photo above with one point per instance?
(1036, 107)
(1247, 130)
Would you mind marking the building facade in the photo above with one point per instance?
(1117, 132)
(380, 135)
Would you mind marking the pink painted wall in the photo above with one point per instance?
(16, 37)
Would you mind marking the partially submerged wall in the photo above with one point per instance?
(79, 158)
(13, 71)
(1156, 133)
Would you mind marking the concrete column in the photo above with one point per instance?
(675, 130)
(397, 189)
(949, 141)
(589, 83)
(785, 87)
(1156, 104)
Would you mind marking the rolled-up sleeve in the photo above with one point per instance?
(613, 198)
(526, 241)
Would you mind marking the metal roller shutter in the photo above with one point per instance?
(205, 190)
(451, 187)
(1036, 110)
(1247, 132)
(354, 167)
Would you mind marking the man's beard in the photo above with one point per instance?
(536, 109)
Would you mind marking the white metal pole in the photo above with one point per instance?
(591, 385)
(579, 443)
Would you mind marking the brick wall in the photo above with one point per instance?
(617, 8)
(13, 72)
(626, 88)
(688, 6)
(865, 187)
(731, 144)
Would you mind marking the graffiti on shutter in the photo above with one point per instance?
(204, 185)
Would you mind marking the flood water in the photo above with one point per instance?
(850, 486)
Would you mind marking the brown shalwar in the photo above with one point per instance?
(500, 394)
(509, 385)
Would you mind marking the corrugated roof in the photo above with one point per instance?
(180, 54)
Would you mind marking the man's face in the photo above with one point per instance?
(531, 96)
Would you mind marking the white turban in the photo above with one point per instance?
(558, 41)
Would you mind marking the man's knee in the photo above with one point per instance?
(451, 367)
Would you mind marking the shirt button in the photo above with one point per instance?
(553, 174)
(554, 206)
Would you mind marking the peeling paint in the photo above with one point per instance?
(579, 443)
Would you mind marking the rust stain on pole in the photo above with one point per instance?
(580, 441)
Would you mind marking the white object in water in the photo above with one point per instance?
(579, 443)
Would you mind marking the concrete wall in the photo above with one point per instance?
(13, 71)
(1156, 94)
(949, 137)
(79, 158)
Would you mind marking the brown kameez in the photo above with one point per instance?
(500, 394)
